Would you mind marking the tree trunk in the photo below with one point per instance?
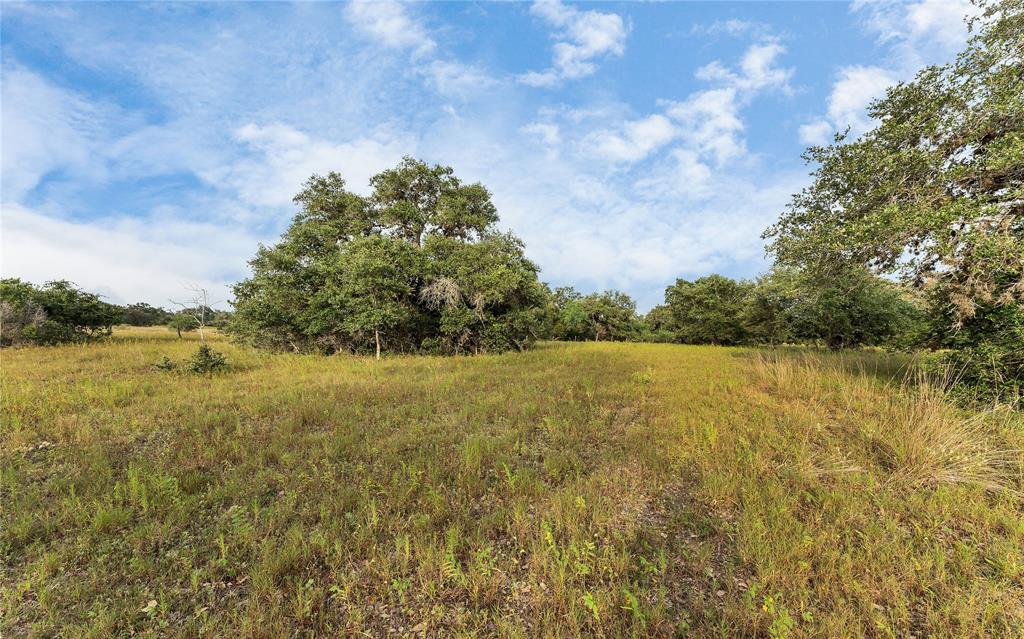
(376, 336)
(179, 333)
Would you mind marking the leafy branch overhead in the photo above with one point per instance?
(935, 194)
(936, 190)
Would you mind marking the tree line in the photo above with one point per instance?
(59, 312)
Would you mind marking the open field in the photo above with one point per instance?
(598, 490)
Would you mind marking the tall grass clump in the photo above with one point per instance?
(909, 422)
(934, 442)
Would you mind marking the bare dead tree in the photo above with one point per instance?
(197, 306)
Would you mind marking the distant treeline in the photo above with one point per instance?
(59, 312)
(783, 307)
(779, 308)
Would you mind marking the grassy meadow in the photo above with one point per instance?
(576, 490)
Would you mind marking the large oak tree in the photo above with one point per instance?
(417, 265)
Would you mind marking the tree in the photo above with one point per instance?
(935, 192)
(607, 316)
(142, 314)
(845, 310)
(416, 266)
(486, 292)
(612, 316)
(415, 199)
(570, 320)
(658, 325)
(767, 313)
(21, 314)
(198, 308)
(55, 313)
(708, 310)
(375, 285)
(182, 322)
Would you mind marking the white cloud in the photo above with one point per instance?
(44, 129)
(388, 22)
(126, 259)
(817, 132)
(710, 119)
(581, 38)
(732, 27)
(283, 157)
(455, 79)
(853, 91)
(917, 29)
(711, 123)
(684, 178)
(759, 70)
(940, 20)
(636, 140)
(917, 34)
(549, 134)
(855, 87)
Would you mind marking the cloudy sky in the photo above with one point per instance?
(148, 146)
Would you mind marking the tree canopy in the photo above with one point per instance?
(607, 316)
(143, 314)
(54, 313)
(708, 310)
(935, 192)
(417, 265)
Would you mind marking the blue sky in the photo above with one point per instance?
(150, 146)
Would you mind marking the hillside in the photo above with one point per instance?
(586, 489)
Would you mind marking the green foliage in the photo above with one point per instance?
(206, 360)
(166, 364)
(607, 316)
(987, 358)
(708, 310)
(143, 314)
(55, 313)
(182, 322)
(417, 266)
(657, 325)
(852, 308)
(935, 192)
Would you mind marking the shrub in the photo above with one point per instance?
(206, 360)
(55, 313)
(166, 364)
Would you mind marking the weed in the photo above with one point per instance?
(166, 364)
(781, 622)
(588, 601)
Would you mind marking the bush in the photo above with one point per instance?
(206, 360)
(55, 313)
(166, 364)
(986, 373)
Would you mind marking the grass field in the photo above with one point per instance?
(577, 490)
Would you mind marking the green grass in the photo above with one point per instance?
(577, 490)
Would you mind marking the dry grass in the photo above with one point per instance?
(577, 490)
(923, 437)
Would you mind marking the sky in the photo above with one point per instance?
(150, 147)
